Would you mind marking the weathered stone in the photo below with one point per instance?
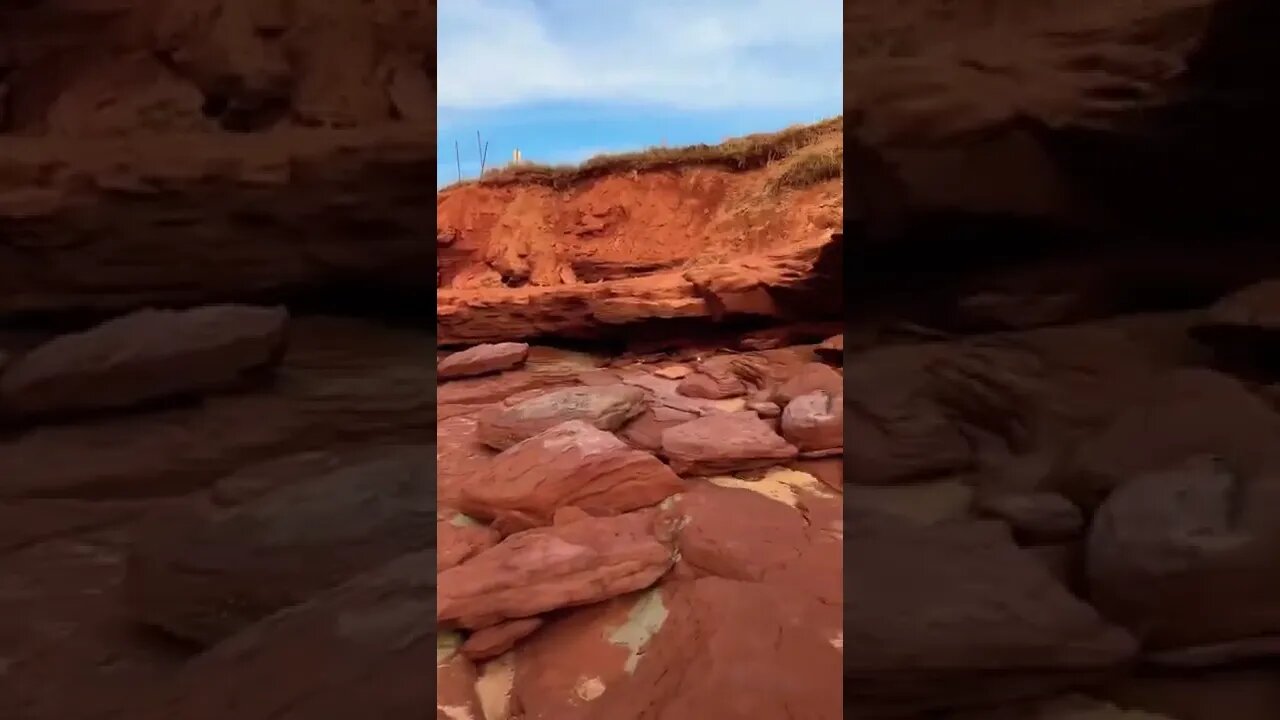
(766, 409)
(809, 378)
(356, 650)
(1179, 414)
(1036, 517)
(482, 359)
(148, 356)
(955, 614)
(573, 464)
(673, 372)
(495, 640)
(457, 681)
(543, 569)
(201, 577)
(262, 478)
(460, 458)
(576, 657)
(1162, 538)
(755, 531)
(814, 422)
(897, 431)
(722, 443)
(742, 530)
(723, 376)
(182, 219)
(343, 383)
(645, 430)
(702, 385)
(605, 407)
(459, 538)
(715, 648)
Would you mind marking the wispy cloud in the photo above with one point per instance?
(697, 56)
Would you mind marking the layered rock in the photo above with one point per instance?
(212, 218)
(202, 578)
(362, 644)
(724, 442)
(606, 407)
(934, 611)
(572, 465)
(544, 569)
(112, 69)
(342, 383)
(143, 358)
(482, 360)
(585, 310)
(1162, 537)
(814, 423)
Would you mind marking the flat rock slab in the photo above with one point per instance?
(574, 464)
(730, 650)
(202, 577)
(545, 569)
(343, 383)
(607, 407)
(356, 650)
(956, 614)
(783, 529)
(1175, 416)
(724, 376)
(482, 360)
(806, 379)
(724, 442)
(144, 357)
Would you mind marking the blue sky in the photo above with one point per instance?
(567, 79)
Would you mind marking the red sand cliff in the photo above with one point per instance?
(667, 233)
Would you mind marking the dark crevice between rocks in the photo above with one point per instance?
(939, 262)
(373, 299)
(658, 335)
(251, 382)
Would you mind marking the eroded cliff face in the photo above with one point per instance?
(713, 233)
(176, 153)
(1086, 159)
(121, 67)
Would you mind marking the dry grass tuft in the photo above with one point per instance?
(809, 169)
(744, 153)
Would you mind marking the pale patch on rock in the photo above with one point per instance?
(645, 620)
(672, 372)
(731, 405)
(456, 712)
(494, 687)
(447, 644)
(589, 688)
(837, 640)
(463, 520)
(780, 484)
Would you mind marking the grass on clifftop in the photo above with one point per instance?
(744, 153)
(808, 169)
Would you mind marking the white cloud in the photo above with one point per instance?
(686, 54)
